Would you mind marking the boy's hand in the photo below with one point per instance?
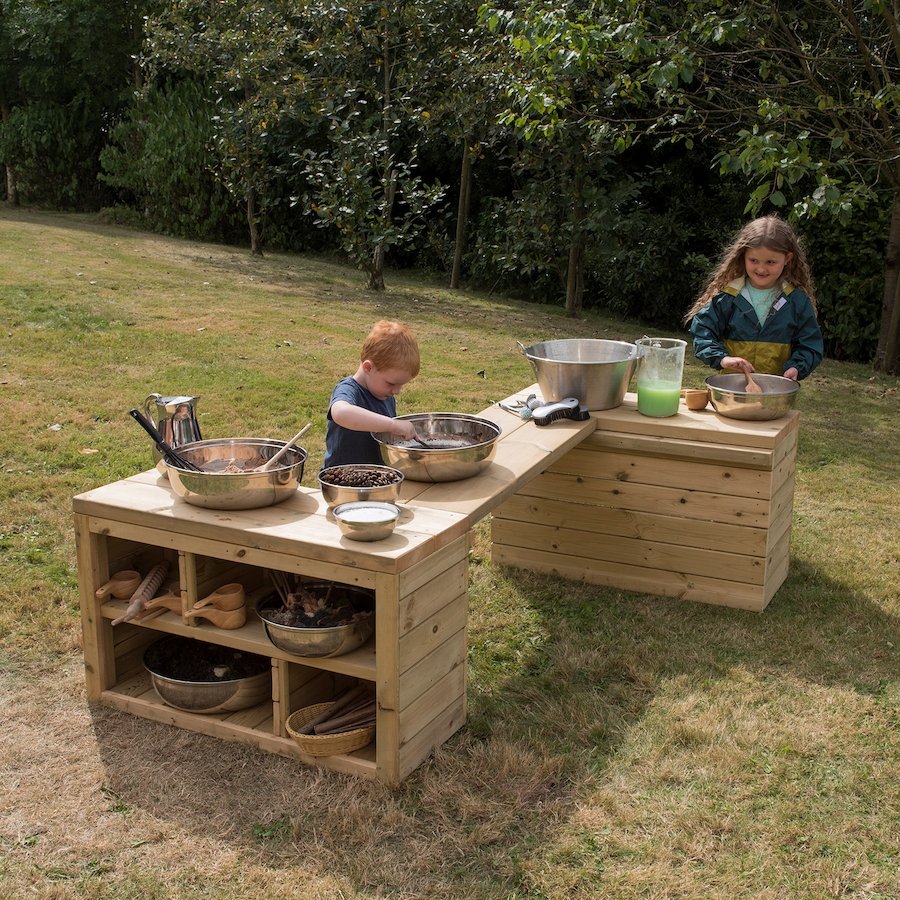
(403, 428)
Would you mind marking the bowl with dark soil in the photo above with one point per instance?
(206, 678)
(317, 618)
(360, 481)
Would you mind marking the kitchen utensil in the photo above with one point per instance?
(366, 520)
(730, 398)
(170, 455)
(121, 585)
(211, 695)
(268, 466)
(460, 446)
(214, 488)
(695, 399)
(170, 601)
(752, 387)
(569, 408)
(360, 481)
(227, 619)
(596, 372)
(227, 597)
(175, 418)
(659, 375)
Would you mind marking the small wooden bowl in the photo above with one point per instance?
(696, 399)
(121, 585)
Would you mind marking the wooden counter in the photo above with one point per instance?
(694, 506)
(417, 658)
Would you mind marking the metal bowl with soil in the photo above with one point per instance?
(207, 678)
(317, 618)
(453, 446)
(359, 481)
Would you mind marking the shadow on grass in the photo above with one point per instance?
(583, 670)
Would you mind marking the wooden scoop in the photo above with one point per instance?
(271, 462)
(171, 600)
(226, 597)
(121, 585)
(221, 618)
(752, 386)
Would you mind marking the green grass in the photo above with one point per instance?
(617, 745)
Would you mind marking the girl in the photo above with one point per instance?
(757, 312)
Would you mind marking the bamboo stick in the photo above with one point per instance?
(341, 703)
(348, 718)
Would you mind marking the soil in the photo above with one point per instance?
(336, 605)
(353, 476)
(187, 660)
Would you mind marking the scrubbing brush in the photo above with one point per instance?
(570, 408)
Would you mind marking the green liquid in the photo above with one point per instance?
(658, 399)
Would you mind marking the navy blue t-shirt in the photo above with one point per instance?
(343, 446)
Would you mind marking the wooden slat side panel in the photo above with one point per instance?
(418, 643)
(685, 504)
(435, 565)
(606, 520)
(420, 678)
(717, 591)
(428, 706)
(604, 549)
(423, 744)
(732, 481)
(426, 600)
(672, 448)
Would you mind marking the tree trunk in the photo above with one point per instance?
(252, 224)
(886, 355)
(388, 175)
(12, 187)
(575, 271)
(462, 215)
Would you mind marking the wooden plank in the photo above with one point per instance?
(387, 671)
(93, 570)
(423, 744)
(436, 564)
(417, 643)
(603, 520)
(422, 603)
(686, 504)
(449, 656)
(731, 481)
(628, 551)
(718, 591)
(422, 712)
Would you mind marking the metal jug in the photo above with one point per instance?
(175, 418)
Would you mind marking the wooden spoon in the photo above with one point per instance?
(271, 462)
(752, 386)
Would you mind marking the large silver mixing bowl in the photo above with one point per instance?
(595, 371)
(459, 446)
(216, 489)
(730, 397)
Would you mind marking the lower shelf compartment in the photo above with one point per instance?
(135, 695)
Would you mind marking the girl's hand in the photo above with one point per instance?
(791, 373)
(738, 363)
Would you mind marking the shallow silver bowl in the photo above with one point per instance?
(318, 642)
(366, 520)
(336, 494)
(730, 398)
(215, 489)
(207, 697)
(460, 446)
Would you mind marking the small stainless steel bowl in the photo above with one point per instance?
(336, 494)
(461, 446)
(215, 489)
(207, 697)
(366, 520)
(320, 642)
(730, 398)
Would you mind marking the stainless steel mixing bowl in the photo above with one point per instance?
(460, 446)
(355, 478)
(216, 489)
(730, 398)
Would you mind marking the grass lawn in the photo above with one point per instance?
(618, 745)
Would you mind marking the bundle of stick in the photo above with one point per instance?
(353, 709)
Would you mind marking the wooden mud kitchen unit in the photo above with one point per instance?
(693, 506)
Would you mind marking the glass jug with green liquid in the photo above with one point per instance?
(660, 367)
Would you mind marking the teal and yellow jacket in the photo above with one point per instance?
(789, 337)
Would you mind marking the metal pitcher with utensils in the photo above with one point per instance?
(175, 418)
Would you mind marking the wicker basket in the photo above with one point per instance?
(325, 744)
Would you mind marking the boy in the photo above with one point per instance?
(365, 401)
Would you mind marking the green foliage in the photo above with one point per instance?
(159, 158)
